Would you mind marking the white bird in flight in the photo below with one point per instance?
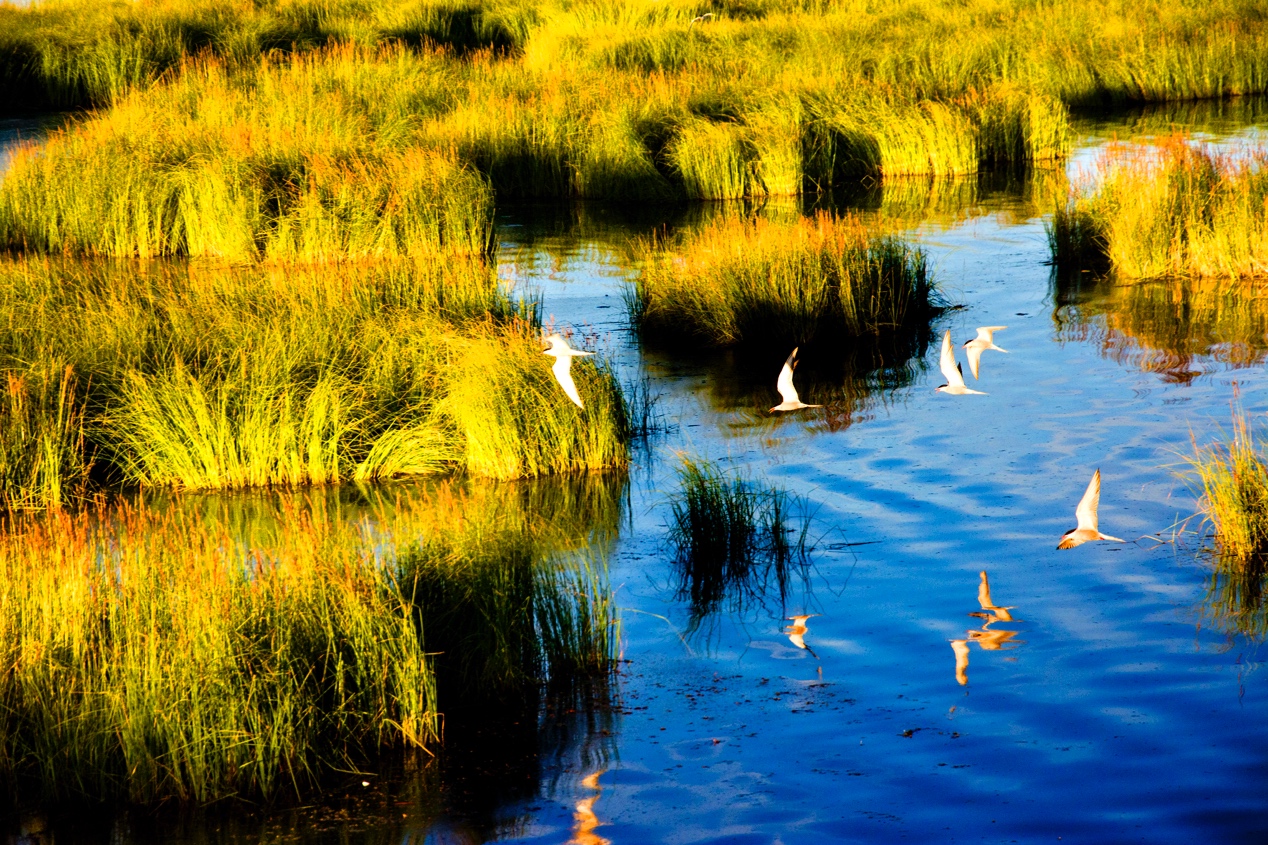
(784, 385)
(951, 370)
(985, 340)
(1086, 514)
(562, 367)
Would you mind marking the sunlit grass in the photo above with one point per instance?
(202, 378)
(752, 281)
(1233, 477)
(1170, 210)
(161, 655)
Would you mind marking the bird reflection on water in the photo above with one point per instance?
(797, 632)
(986, 637)
(584, 815)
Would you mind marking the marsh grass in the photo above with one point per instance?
(43, 457)
(162, 655)
(1171, 210)
(147, 660)
(286, 163)
(741, 281)
(730, 537)
(203, 378)
(1233, 478)
(310, 130)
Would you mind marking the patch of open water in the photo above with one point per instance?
(1114, 713)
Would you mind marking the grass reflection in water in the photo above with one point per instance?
(1177, 328)
(157, 654)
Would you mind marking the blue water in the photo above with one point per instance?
(1114, 713)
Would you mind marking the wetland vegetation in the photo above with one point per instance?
(1170, 210)
(263, 257)
(155, 654)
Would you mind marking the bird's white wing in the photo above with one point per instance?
(946, 362)
(973, 352)
(562, 369)
(785, 385)
(1086, 511)
(987, 333)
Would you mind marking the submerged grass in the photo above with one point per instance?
(1171, 210)
(729, 537)
(158, 656)
(1234, 483)
(743, 281)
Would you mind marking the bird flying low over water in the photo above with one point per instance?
(951, 370)
(1086, 514)
(562, 367)
(784, 385)
(985, 340)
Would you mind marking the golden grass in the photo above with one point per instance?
(1174, 209)
(749, 281)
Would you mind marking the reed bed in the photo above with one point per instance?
(1171, 210)
(204, 378)
(1234, 480)
(76, 53)
(730, 538)
(743, 281)
(283, 165)
(302, 131)
(152, 656)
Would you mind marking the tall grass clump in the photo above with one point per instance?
(515, 420)
(197, 377)
(1171, 210)
(146, 659)
(185, 654)
(43, 459)
(1234, 482)
(281, 162)
(729, 537)
(750, 281)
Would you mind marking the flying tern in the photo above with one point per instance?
(974, 348)
(1086, 514)
(951, 370)
(562, 367)
(784, 385)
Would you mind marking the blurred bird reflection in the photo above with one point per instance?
(583, 833)
(987, 637)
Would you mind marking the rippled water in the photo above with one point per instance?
(1116, 706)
